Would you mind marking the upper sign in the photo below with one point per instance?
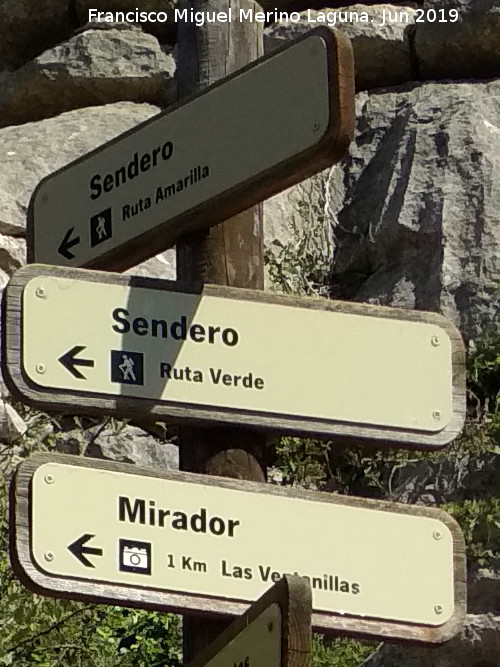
(191, 542)
(274, 632)
(252, 134)
(106, 343)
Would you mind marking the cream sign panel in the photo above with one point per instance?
(233, 544)
(246, 355)
(258, 644)
(179, 167)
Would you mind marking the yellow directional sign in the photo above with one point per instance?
(113, 344)
(274, 632)
(192, 542)
(252, 134)
(257, 645)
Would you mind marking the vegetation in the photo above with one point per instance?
(301, 264)
(35, 630)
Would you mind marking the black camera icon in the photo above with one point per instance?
(134, 556)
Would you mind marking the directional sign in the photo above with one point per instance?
(249, 136)
(112, 344)
(188, 542)
(274, 632)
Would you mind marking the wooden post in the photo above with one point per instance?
(228, 254)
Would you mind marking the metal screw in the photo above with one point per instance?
(40, 368)
(436, 414)
(49, 556)
(437, 535)
(438, 609)
(49, 479)
(315, 127)
(270, 626)
(435, 341)
(40, 292)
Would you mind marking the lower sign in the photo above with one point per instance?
(111, 344)
(189, 542)
(274, 632)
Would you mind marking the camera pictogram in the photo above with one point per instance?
(134, 556)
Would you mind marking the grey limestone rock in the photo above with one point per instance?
(124, 443)
(12, 425)
(381, 38)
(133, 445)
(463, 49)
(12, 255)
(34, 150)
(160, 266)
(28, 27)
(95, 67)
(483, 589)
(418, 223)
(165, 31)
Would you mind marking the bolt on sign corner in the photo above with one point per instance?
(186, 542)
(252, 134)
(111, 344)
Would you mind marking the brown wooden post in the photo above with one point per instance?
(228, 254)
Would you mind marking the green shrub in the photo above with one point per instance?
(49, 632)
(484, 382)
(480, 523)
(339, 652)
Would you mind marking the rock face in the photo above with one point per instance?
(12, 256)
(133, 445)
(483, 589)
(464, 45)
(418, 224)
(28, 27)
(12, 426)
(164, 30)
(34, 150)
(381, 37)
(92, 68)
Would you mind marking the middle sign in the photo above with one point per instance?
(110, 344)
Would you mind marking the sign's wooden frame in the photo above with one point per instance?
(74, 588)
(329, 149)
(293, 595)
(104, 404)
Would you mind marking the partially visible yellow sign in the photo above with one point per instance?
(259, 644)
(240, 355)
(180, 536)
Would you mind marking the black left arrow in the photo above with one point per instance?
(69, 361)
(78, 549)
(67, 243)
